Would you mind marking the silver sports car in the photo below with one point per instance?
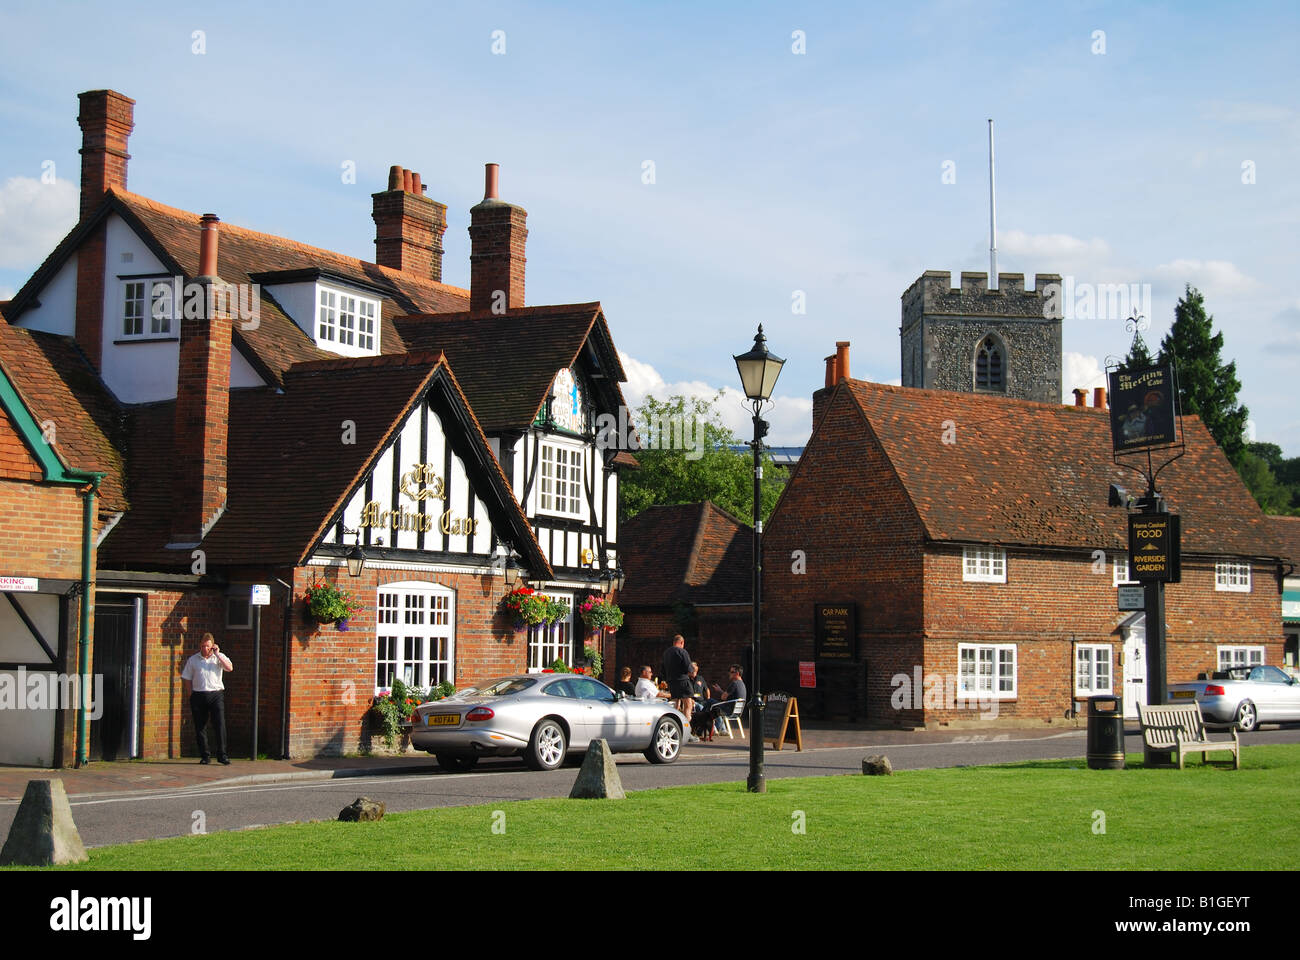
(1243, 696)
(544, 716)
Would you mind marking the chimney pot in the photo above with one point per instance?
(1080, 397)
(209, 232)
(407, 177)
(831, 378)
(490, 175)
(1099, 398)
(841, 360)
(394, 177)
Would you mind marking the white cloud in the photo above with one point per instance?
(1208, 276)
(790, 417)
(34, 216)
(1080, 370)
(1043, 245)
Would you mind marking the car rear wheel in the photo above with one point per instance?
(667, 742)
(456, 762)
(547, 745)
(1247, 717)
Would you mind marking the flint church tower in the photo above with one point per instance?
(971, 339)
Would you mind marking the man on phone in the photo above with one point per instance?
(202, 676)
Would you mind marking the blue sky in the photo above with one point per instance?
(1119, 158)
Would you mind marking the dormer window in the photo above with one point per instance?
(347, 322)
(139, 318)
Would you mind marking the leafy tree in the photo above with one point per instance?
(1138, 354)
(689, 458)
(1273, 480)
(1207, 386)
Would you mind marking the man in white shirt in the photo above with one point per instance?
(646, 689)
(203, 682)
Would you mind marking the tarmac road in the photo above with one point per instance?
(110, 816)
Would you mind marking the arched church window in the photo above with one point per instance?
(990, 373)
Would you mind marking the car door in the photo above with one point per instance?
(602, 717)
(1276, 697)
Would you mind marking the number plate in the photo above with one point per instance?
(1183, 694)
(442, 720)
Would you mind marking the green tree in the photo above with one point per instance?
(1138, 354)
(689, 457)
(1207, 386)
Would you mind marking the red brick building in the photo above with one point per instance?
(273, 406)
(971, 537)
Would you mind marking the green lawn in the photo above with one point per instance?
(1037, 815)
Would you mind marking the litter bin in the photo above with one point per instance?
(1105, 733)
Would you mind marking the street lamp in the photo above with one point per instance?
(758, 372)
(356, 556)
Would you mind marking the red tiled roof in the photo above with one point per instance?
(288, 469)
(687, 553)
(1286, 530)
(1021, 472)
(507, 363)
(58, 384)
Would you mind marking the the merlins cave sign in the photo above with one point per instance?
(419, 484)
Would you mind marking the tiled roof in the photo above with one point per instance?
(288, 469)
(1286, 530)
(507, 363)
(688, 553)
(1021, 472)
(58, 384)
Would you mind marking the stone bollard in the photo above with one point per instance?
(598, 779)
(43, 833)
(362, 808)
(877, 765)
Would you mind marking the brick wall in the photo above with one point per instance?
(40, 530)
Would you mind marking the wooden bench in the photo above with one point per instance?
(1177, 728)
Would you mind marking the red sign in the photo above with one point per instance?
(807, 673)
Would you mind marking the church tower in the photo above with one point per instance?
(971, 339)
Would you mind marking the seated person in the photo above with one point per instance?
(700, 724)
(647, 689)
(625, 685)
(735, 691)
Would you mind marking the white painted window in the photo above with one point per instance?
(1240, 657)
(1120, 570)
(1092, 673)
(548, 642)
(347, 321)
(138, 315)
(1231, 576)
(560, 485)
(984, 564)
(415, 635)
(327, 316)
(986, 671)
(367, 310)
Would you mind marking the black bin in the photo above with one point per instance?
(1105, 733)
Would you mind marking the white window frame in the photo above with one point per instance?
(1232, 576)
(548, 642)
(347, 322)
(138, 292)
(1001, 683)
(1087, 658)
(984, 564)
(415, 633)
(1239, 655)
(560, 480)
(1119, 573)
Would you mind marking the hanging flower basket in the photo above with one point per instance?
(531, 608)
(326, 603)
(598, 613)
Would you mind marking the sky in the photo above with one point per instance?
(701, 168)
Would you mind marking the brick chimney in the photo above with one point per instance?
(841, 360)
(497, 233)
(202, 406)
(1099, 397)
(1080, 397)
(409, 226)
(106, 119)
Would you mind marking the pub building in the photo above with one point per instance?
(970, 572)
(315, 419)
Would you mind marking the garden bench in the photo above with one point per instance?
(1177, 728)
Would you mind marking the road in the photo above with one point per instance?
(120, 817)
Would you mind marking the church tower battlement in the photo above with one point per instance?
(971, 339)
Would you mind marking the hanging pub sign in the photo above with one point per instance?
(1153, 547)
(1142, 408)
(835, 629)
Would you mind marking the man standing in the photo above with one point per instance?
(202, 677)
(677, 671)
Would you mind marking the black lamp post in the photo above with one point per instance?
(758, 372)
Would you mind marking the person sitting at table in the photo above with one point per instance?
(647, 689)
(625, 685)
(735, 691)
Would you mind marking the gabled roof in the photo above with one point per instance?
(276, 343)
(289, 472)
(1287, 532)
(508, 362)
(58, 385)
(1018, 472)
(686, 553)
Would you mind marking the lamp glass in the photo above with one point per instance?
(759, 369)
(356, 561)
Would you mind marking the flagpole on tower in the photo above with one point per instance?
(993, 219)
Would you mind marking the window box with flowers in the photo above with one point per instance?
(326, 603)
(600, 614)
